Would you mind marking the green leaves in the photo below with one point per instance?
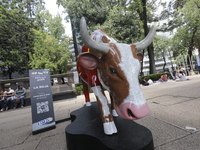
(50, 52)
(187, 35)
(31, 38)
(16, 38)
(161, 44)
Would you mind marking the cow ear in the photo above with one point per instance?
(88, 61)
(140, 56)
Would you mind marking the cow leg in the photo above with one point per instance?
(108, 123)
(86, 93)
(114, 113)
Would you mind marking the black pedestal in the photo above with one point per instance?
(86, 133)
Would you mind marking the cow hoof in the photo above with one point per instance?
(88, 104)
(114, 113)
(109, 128)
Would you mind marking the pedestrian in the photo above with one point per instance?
(20, 94)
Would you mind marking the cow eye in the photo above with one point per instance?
(113, 71)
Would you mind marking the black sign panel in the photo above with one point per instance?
(41, 99)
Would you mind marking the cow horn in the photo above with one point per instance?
(147, 40)
(98, 47)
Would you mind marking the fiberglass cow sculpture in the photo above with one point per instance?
(106, 64)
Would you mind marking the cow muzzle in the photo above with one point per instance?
(132, 112)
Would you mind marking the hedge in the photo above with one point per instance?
(196, 71)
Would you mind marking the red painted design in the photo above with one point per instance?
(88, 76)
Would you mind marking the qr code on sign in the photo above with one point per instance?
(42, 107)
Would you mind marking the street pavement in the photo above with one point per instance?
(174, 119)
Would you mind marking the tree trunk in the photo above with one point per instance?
(141, 69)
(74, 39)
(9, 73)
(164, 63)
(152, 66)
(150, 48)
(190, 49)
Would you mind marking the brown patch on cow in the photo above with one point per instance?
(134, 49)
(108, 118)
(105, 39)
(119, 87)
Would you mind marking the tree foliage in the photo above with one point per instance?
(16, 37)
(51, 25)
(28, 31)
(50, 53)
(162, 47)
(168, 16)
(187, 35)
(123, 24)
(51, 45)
(125, 20)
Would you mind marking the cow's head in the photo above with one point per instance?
(118, 69)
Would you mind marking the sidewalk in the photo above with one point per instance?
(174, 107)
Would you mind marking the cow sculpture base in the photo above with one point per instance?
(86, 132)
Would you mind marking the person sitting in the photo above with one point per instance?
(20, 94)
(144, 82)
(182, 76)
(163, 78)
(1, 99)
(8, 95)
(174, 75)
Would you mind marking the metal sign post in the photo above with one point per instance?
(41, 100)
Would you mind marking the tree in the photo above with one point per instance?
(15, 40)
(144, 11)
(187, 35)
(125, 27)
(125, 20)
(161, 44)
(95, 11)
(169, 14)
(50, 45)
(50, 24)
(50, 53)
(16, 36)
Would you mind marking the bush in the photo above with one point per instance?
(196, 71)
(79, 89)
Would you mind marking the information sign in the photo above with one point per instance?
(41, 100)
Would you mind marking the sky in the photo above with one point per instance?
(54, 10)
